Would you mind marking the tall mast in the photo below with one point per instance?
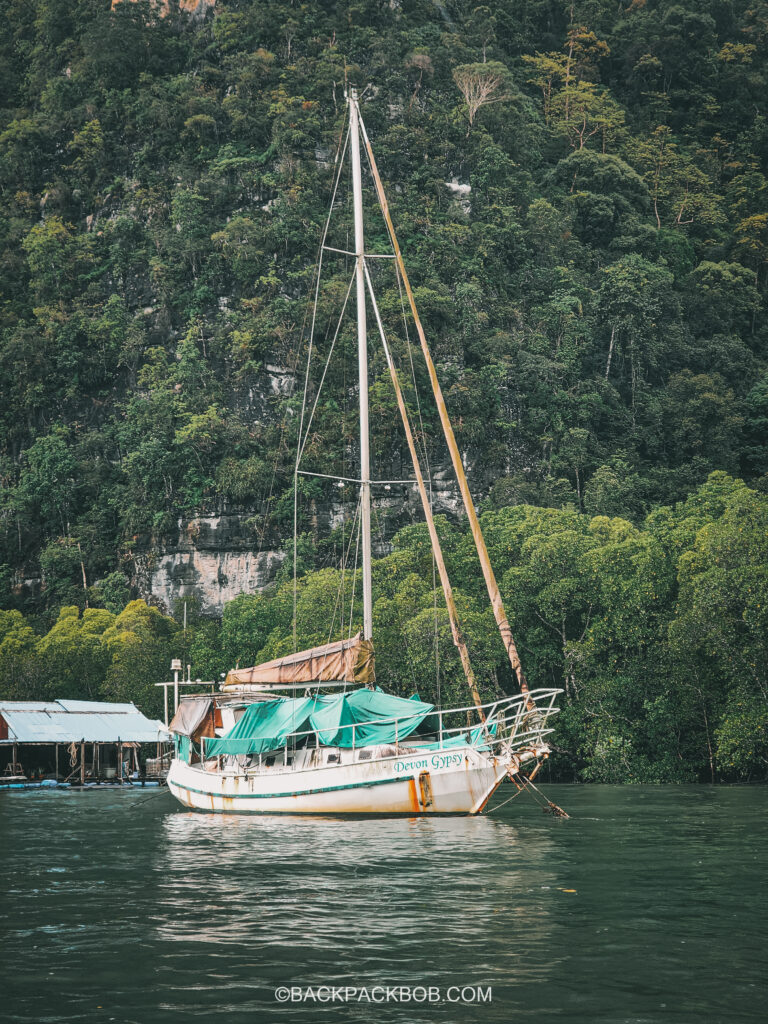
(362, 365)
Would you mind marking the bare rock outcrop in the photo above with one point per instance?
(212, 559)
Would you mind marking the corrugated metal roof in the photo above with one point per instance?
(97, 706)
(68, 721)
(29, 705)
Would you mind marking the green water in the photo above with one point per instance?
(118, 906)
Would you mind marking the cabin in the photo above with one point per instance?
(77, 742)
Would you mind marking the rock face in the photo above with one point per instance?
(212, 560)
(195, 8)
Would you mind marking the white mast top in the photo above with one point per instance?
(362, 361)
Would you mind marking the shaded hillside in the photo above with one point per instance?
(589, 252)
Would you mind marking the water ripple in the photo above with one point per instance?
(648, 905)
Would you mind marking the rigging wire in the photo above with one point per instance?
(340, 589)
(297, 354)
(305, 437)
(318, 277)
(358, 504)
(309, 360)
(400, 621)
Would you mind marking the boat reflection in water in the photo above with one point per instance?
(337, 893)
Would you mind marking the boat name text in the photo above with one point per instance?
(436, 761)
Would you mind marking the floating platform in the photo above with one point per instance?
(17, 783)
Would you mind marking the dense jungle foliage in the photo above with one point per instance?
(580, 194)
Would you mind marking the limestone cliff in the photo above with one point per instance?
(215, 558)
(212, 559)
(195, 8)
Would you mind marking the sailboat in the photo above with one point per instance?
(311, 733)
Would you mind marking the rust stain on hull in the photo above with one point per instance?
(413, 796)
(425, 791)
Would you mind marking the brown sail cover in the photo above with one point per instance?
(349, 661)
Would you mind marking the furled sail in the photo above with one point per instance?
(348, 661)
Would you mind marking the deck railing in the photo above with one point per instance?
(528, 724)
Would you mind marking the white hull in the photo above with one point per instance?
(455, 781)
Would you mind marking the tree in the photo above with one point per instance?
(63, 573)
(49, 248)
(481, 29)
(585, 111)
(73, 654)
(47, 486)
(422, 64)
(612, 490)
(755, 444)
(607, 193)
(481, 85)
(23, 143)
(140, 643)
(751, 242)
(113, 592)
(250, 620)
(553, 595)
(20, 676)
(702, 420)
(575, 106)
(722, 297)
(681, 192)
(720, 629)
(632, 300)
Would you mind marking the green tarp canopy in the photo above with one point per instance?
(264, 726)
(365, 709)
(267, 725)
